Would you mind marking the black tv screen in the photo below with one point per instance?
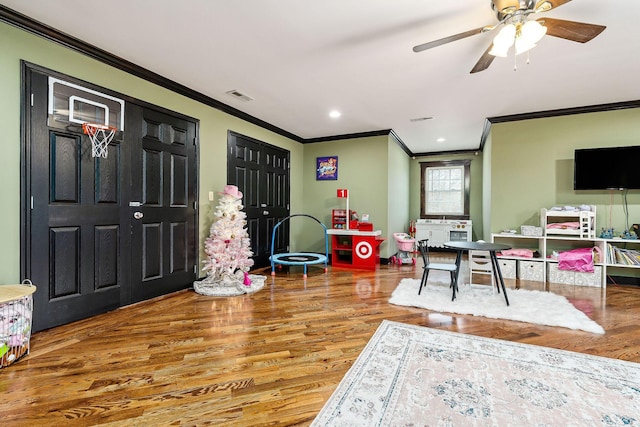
(613, 168)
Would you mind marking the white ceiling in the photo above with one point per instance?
(299, 59)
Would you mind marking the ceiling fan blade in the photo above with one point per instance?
(546, 5)
(483, 63)
(445, 40)
(571, 30)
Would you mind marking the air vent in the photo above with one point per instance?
(239, 95)
(420, 119)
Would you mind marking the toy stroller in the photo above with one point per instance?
(405, 244)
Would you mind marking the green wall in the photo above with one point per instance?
(531, 166)
(398, 182)
(475, 190)
(214, 124)
(364, 166)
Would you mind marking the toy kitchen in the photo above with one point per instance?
(439, 231)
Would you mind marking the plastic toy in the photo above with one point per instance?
(405, 244)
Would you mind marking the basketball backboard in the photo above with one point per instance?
(71, 105)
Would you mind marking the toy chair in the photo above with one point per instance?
(480, 263)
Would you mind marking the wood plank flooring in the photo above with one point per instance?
(271, 358)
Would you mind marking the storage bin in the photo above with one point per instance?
(531, 270)
(555, 275)
(589, 279)
(568, 277)
(530, 230)
(16, 308)
(507, 268)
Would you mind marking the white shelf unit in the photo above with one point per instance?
(547, 244)
(519, 241)
(585, 219)
(625, 244)
(566, 243)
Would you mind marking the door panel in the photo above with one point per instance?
(107, 241)
(261, 172)
(74, 222)
(164, 240)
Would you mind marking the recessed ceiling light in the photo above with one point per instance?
(440, 140)
(335, 114)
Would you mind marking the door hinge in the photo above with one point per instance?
(31, 202)
(195, 269)
(32, 100)
(195, 205)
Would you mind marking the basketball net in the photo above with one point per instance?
(100, 136)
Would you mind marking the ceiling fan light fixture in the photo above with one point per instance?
(524, 36)
(503, 41)
(533, 31)
(528, 35)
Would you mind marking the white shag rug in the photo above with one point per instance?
(542, 308)
(229, 286)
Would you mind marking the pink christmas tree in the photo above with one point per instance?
(228, 247)
(228, 250)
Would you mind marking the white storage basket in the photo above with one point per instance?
(568, 277)
(531, 270)
(16, 309)
(530, 230)
(507, 268)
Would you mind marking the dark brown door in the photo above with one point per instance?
(83, 247)
(261, 172)
(164, 240)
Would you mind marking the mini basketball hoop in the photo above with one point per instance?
(100, 136)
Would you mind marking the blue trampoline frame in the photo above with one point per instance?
(318, 258)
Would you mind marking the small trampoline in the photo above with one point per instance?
(298, 258)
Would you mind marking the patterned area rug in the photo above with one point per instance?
(542, 308)
(415, 376)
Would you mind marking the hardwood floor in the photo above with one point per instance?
(271, 358)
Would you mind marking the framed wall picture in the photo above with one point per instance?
(327, 168)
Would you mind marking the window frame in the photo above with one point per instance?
(466, 187)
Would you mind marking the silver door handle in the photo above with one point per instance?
(138, 215)
(265, 212)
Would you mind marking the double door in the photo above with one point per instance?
(261, 172)
(100, 233)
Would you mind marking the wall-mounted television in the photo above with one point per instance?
(613, 168)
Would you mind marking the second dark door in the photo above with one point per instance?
(261, 172)
(163, 199)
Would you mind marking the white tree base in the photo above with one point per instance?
(228, 286)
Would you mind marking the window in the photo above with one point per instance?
(444, 189)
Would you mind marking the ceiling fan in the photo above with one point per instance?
(517, 29)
